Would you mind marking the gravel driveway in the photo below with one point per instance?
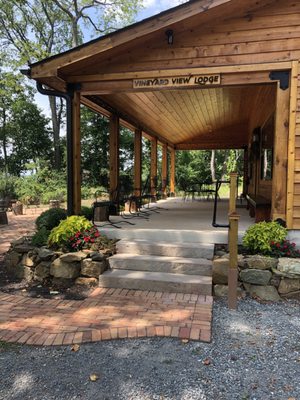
(255, 354)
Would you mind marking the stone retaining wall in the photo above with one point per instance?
(262, 277)
(24, 261)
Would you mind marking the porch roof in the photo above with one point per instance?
(183, 117)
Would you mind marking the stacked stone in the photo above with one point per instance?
(261, 277)
(24, 261)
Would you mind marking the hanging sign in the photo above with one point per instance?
(189, 80)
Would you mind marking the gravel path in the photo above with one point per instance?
(255, 354)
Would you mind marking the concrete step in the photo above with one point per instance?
(156, 281)
(190, 250)
(168, 235)
(165, 264)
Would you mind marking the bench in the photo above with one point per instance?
(259, 207)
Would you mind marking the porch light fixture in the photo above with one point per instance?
(256, 135)
(170, 36)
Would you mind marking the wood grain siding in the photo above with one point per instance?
(269, 34)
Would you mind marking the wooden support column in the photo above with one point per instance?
(172, 172)
(137, 162)
(292, 145)
(76, 153)
(164, 170)
(279, 182)
(246, 171)
(114, 143)
(153, 170)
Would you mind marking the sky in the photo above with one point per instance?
(151, 7)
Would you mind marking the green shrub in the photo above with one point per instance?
(258, 237)
(51, 218)
(87, 212)
(40, 238)
(58, 194)
(68, 228)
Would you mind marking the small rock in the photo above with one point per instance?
(255, 276)
(28, 259)
(92, 268)
(73, 257)
(23, 248)
(289, 285)
(220, 271)
(11, 260)
(24, 272)
(267, 293)
(222, 291)
(45, 254)
(67, 270)
(96, 256)
(260, 262)
(289, 265)
(42, 271)
(83, 281)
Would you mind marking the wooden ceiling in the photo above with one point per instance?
(197, 118)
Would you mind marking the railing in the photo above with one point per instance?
(217, 188)
(233, 243)
(232, 236)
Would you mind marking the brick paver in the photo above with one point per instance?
(106, 314)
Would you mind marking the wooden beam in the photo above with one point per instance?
(209, 146)
(76, 153)
(153, 169)
(291, 146)
(114, 139)
(172, 172)
(279, 182)
(118, 86)
(137, 162)
(232, 69)
(164, 170)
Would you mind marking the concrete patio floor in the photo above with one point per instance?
(177, 220)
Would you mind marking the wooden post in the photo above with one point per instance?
(292, 145)
(114, 139)
(76, 153)
(137, 162)
(233, 260)
(172, 172)
(233, 192)
(153, 172)
(246, 171)
(164, 170)
(279, 181)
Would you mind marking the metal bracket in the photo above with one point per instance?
(73, 87)
(283, 77)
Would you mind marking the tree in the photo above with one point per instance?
(35, 29)
(23, 129)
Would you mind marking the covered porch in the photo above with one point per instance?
(155, 79)
(177, 220)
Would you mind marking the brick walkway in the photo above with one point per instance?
(106, 314)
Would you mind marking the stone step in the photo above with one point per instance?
(168, 235)
(156, 281)
(165, 264)
(190, 250)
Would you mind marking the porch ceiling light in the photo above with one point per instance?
(170, 36)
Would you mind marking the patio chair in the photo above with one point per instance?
(111, 205)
